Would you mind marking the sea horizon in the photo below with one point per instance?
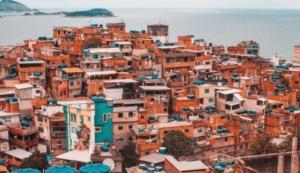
(212, 24)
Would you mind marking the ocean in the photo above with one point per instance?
(277, 31)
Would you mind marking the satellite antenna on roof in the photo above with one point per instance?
(109, 162)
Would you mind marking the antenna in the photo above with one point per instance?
(109, 162)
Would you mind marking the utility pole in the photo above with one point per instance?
(294, 156)
(280, 166)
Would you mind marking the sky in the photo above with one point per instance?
(248, 4)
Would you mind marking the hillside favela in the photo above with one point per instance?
(140, 86)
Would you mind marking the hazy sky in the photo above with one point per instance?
(279, 4)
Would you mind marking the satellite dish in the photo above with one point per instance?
(109, 162)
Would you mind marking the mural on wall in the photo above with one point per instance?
(83, 138)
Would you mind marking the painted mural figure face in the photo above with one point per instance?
(83, 137)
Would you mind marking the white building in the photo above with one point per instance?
(229, 100)
(25, 92)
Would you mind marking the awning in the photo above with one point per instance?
(85, 156)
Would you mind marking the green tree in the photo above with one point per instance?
(178, 144)
(130, 157)
(37, 160)
(261, 144)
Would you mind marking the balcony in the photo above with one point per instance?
(25, 143)
(179, 64)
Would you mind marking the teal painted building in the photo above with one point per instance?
(103, 120)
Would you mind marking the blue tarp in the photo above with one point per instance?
(26, 170)
(95, 168)
(61, 169)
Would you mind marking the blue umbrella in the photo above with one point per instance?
(95, 168)
(61, 169)
(26, 170)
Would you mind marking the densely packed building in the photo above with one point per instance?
(86, 92)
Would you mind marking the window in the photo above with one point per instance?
(186, 130)
(120, 139)
(97, 129)
(37, 91)
(207, 62)
(206, 91)
(201, 101)
(108, 115)
(120, 127)
(200, 130)
(40, 129)
(259, 102)
(227, 107)
(210, 100)
(221, 96)
(40, 118)
(73, 118)
(223, 117)
(74, 130)
(130, 126)
(226, 139)
(81, 119)
(130, 114)
(242, 103)
(104, 117)
(235, 107)
(120, 115)
(229, 97)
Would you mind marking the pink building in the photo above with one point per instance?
(296, 59)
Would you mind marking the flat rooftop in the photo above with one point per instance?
(187, 165)
(123, 43)
(154, 88)
(8, 114)
(125, 109)
(104, 50)
(128, 101)
(165, 47)
(229, 91)
(23, 86)
(72, 70)
(100, 73)
(154, 158)
(27, 60)
(120, 81)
